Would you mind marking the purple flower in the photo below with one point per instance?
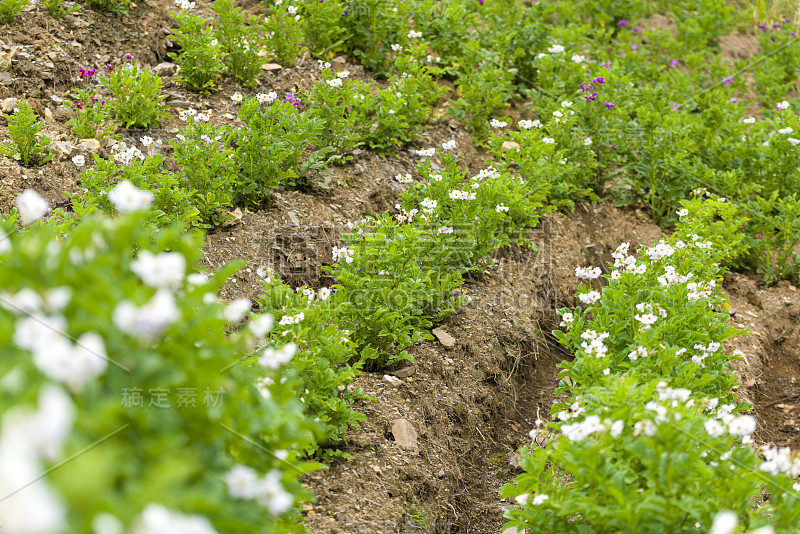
(480, 2)
(587, 87)
(728, 79)
(674, 63)
(591, 97)
(128, 56)
(635, 29)
(294, 101)
(623, 22)
(793, 34)
(609, 105)
(734, 100)
(675, 107)
(599, 80)
(776, 26)
(634, 46)
(605, 64)
(109, 67)
(614, 147)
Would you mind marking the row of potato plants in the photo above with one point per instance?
(648, 435)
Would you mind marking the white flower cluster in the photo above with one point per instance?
(342, 253)
(567, 318)
(623, 262)
(428, 152)
(660, 251)
(31, 206)
(273, 358)
(29, 505)
(584, 429)
(236, 310)
(161, 271)
(445, 230)
(705, 351)
(292, 319)
(781, 106)
(498, 123)
(41, 329)
(501, 208)
(404, 178)
(593, 343)
(334, 82)
(700, 290)
(127, 198)
(237, 98)
(156, 519)
(126, 156)
(527, 125)
(185, 114)
(555, 49)
(428, 205)
(671, 278)
(185, 5)
(449, 145)
(79, 160)
(266, 98)
(588, 274)
(244, 483)
(548, 140)
(343, 74)
(147, 321)
(781, 461)
(414, 35)
(490, 172)
(405, 216)
(457, 194)
(638, 352)
(262, 325)
(589, 298)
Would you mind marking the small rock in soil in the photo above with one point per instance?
(507, 145)
(48, 116)
(60, 148)
(8, 105)
(166, 69)
(405, 435)
(444, 338)
(405, 372)
(393, 380)
(90, 144)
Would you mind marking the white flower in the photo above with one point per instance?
(266, 97)
(449, 145)
(782, 105)
(270, 493)
(261, 325)
(126, 197)
(555, 49)
(164, 270)
(146, 140)
(242, 481)
(742, 426)
(617, 426)
(501, 208)
(589, 298)
(148, 321)
(714, 428)
(646, 319)
(522, 499)
(412, 34)
(156, 519)
(587, 142)
(682, 212)
(578, 59)
(335, 82)
(548, 140)
(498, 123)
(292, 10)
(567, 318)
(793, 141)
(785, 131)
(566, 104)
(396, 47)
(273, 358)
(235, 311)
(31, 206)
(343, 74)
(539, 499)
(324, 293)
(749, 120)
(588, 274)
(445, 230)
(236, 97)
(647, 427)
(426, 152)
(724, 523)
(79, 160)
